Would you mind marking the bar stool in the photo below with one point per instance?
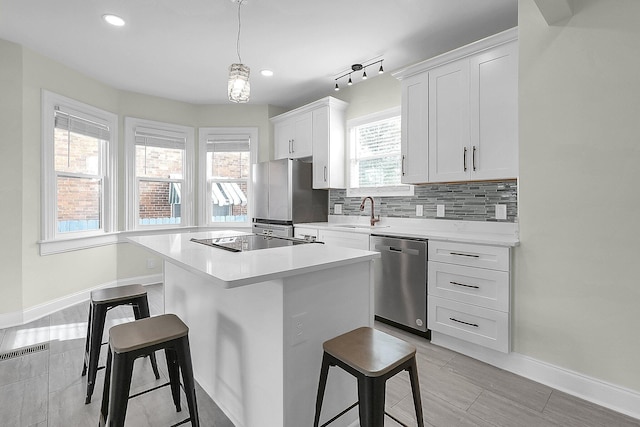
(129, 341)
(372, 357)
(103, 300)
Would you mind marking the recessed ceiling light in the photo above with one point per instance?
(266, 73)
(113, 20)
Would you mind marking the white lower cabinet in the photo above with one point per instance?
(305, 233)
(469, 293)
(345, 239)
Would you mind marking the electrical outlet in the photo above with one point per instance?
(419, 210)
(440, 211)
(337, 209)
(151, 263)
(501, 211)
(298, 328)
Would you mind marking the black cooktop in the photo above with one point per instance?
(249, 242)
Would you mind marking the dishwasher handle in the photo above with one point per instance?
(407, 251)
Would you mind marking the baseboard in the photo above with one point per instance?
(36, 312)
(605, 394)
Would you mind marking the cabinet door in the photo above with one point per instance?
(345, 239)
(321, 148)
(415, 129)
(301, 143)
(282, 135)
(449, 154)
(494, 113)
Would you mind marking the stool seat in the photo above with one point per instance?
(371, 352)
(118, 293)
(147, 332)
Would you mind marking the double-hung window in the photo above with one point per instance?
(226, 156)
(159, 174)
(375, 160)
(79, 163)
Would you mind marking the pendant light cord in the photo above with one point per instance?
(239, 26)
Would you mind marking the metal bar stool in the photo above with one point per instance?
(103, 300)
(129, 341)
(372, 357)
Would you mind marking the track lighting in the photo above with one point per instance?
(358, 67)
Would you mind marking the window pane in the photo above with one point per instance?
(228, 201)
(228, 165)
(378, 138)
(379, 172)
(158, 162)
(76, 153)
(79, 203)
(159, 202)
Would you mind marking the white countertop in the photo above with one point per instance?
(486, 233)
(232, 269)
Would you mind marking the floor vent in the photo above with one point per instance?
(23, 351)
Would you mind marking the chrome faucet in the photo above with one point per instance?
(373, 218)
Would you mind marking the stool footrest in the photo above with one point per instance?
(181, 422)
(340, 414)
(147, 391)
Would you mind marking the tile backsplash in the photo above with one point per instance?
(470, 201)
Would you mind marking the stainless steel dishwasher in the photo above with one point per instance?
(400, 277)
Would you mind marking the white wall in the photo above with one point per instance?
(577, 293)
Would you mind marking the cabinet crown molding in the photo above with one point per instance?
(459, 53)
(328, 101)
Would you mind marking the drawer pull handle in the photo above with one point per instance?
(475, 325)
(466, 286)
(467, 255)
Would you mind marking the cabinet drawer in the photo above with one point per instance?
(478, 325)
(469, 254)
(471, 285)
(346, 239)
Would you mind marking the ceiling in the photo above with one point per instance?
(181, 49)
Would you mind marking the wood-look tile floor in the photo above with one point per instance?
(45, 388)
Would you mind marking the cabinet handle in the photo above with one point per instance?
(402, 165)
(289, 146)
(467, 255)
(325, 174)
(293, 149)
(474, 158)
(466, 286)
(464, 155)
(475, 325)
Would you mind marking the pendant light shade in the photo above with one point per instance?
(239, 86)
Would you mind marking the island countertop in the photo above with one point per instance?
(233, 269)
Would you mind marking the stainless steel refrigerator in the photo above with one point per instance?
(284, 196)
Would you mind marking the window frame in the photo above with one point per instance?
(131, 179)
(52, 240)
(390, 190)
(204, 135)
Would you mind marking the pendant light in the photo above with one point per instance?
(239, 86)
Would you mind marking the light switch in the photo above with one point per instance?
(419, 210)
(501, 211)
(337, 209)
(440, 211)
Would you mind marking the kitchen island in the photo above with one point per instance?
(257, 321)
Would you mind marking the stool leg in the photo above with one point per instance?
(415, 388)
(98, 316)
(140, 311)
(371, 398)
(174, 375)
(184, 358)
(104, 408)
(322, 384)
(122, 370)
(86, 343)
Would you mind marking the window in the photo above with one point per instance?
(375, 160)
(227, 155)
(159, 170)
(79, 163)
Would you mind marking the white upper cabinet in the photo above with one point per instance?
(293, 137)
(414, 129)
(460, 113)
(449, 151)
(315, 131)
